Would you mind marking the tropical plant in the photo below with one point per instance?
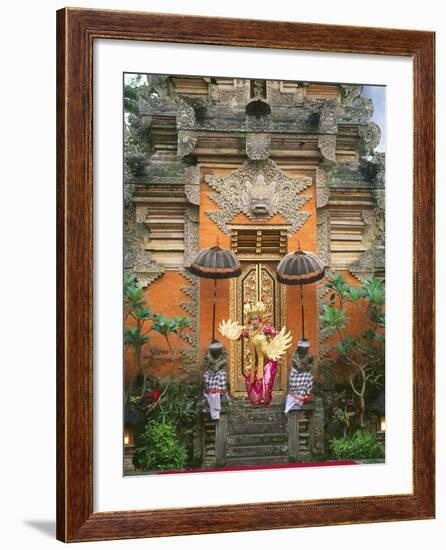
(361, 445)
(168, 327)
(136, 335)
(343, 412)
(360, 349)
(157, 448)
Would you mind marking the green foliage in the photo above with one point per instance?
(134, 337)
(166, 326)
(177, 406)
(333, 319)
(137, 308)
(131, 85)
(360, 350)
(361, 445)
(134, 300)
(157, 448)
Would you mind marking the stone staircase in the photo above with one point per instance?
(246, 435)
(251, 436)
(256, 435)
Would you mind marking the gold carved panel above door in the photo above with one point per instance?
(257, 282)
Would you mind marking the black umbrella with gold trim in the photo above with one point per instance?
(215, 263)
(300, 268)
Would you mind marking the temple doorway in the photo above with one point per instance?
(257, 282)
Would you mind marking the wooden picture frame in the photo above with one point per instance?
(77, 29)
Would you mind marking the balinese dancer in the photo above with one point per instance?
(215, 379)
(266, 346)
(301, 380)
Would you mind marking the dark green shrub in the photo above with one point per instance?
(157, 448)
(361, 445)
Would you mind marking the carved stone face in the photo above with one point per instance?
(302, 352)
(216, 349)
(259, 197)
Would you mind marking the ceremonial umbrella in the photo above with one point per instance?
(300, 268)
(215, 263)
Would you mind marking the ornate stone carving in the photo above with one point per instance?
(372, 261)
(258, 89)
(322, 189)
(191, 307)
(259, 189)
(186, 142)
(258, 145)
(362, 109)
(257, 112)
(142, 213)
(129, 225)
(327, 146)
(186, 117)
(370, 137)
(238, 96)
(350, 93)
(327, 117)
(192, 184)
(144, 267)
(276, 97)
(191, 234)
(323, 235)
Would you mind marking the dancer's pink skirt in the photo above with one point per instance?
(261, 390)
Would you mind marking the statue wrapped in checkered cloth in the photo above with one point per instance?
(301, 380)
(265, 345)
(215, 380)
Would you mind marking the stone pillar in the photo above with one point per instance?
(220, 436)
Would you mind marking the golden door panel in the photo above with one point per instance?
(257, 283)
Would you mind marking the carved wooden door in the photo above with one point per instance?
(257, 282)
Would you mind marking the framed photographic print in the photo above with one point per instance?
(245, 275)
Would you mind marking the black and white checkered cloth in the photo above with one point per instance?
(301, 384)
(215, 381)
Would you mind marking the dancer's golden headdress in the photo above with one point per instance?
(254, 309)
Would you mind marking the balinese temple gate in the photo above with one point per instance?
(259, 167)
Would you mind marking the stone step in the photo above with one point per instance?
(246, 406)
(256, 439)
(257, 416)
(256, 428)
(257, 461)
(256, 451)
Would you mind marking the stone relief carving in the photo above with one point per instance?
(238, 96)
(186, 117)
(327, 117)
(327, 130)
(349, 93)
(322, 189)
(277, 97)
(144, 267)
(259, 189)
(191, 307)
(323, 235)
(129, 225)
(258, 145)
(372, 261)
(362, 109)
(258, 89)
(187, 140)
(191, 234)
(370, 137)
(327, 146)
(192, 184)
